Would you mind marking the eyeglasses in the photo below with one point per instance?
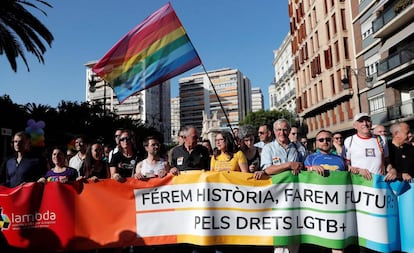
(261, 133)
(124, 139)
(325, 139)
(282, 129)
(219, 140)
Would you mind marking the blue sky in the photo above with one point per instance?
(238, 34)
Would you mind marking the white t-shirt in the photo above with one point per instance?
(365, 153)
(151, 170)
(76, 162)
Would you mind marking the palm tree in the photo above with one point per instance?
(20, 31)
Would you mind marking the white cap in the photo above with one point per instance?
(360, 115)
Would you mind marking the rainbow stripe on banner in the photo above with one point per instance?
(154, 51)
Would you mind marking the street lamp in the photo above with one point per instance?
(356, 73)
(92, 88)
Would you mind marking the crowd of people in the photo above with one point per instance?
(266, 151)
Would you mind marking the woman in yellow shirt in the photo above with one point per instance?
(227, 157)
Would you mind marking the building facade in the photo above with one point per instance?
(323, 55)
(148, 106)
(198, 97)
(350, 57)
(386, 54)
(282, 92)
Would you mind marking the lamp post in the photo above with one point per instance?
(356, 73)
(92, 88)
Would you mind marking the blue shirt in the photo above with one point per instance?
(30, 169)
(274, 154)
(327, 161)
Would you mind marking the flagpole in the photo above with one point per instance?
(214, 88)
(218, 99)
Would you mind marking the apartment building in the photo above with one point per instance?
(323, 53)
(282, 92)
(257, 99)
(197, 96)
(386, 54)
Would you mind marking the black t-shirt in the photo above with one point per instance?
(198, 159)
(402, 158)
(125, 165)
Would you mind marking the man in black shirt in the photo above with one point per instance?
(401, 153)
(190, 155)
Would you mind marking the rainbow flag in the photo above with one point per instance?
(154, 51)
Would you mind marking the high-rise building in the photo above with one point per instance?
(198, 96)
(257, 99)
(175, 118)
(282, 92)
(323, 50)
(148, 106)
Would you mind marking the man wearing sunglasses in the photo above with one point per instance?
(265, 136)
(323, 160)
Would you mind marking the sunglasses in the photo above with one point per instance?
(260, 133)
(325, 139)
(125, 139)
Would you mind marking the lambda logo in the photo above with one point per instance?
(4, 220)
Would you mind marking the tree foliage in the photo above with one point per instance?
(68, 120)
(267, 117)
(20, 31)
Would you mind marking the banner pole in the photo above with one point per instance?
(221, 105)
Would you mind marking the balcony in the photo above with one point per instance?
(401, 110)
(283, 78)
(287, 97)
(399, 58)
(393, 18)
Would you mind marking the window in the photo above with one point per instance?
(371, 64)
(377, 104)
(317, 40)
(346, 50)
(328, 33)
(366, 27)
(343, 19)
(328, 58)
(337, 52)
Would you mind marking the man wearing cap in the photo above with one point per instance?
(365, 153)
